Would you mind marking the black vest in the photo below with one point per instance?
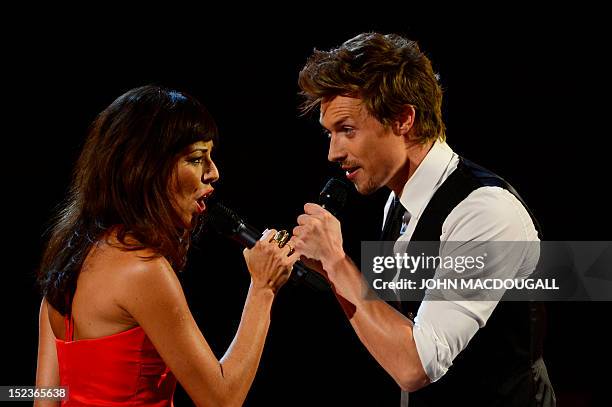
(495, 369)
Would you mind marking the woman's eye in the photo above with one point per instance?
(196, 161)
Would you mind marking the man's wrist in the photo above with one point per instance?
(332, 263)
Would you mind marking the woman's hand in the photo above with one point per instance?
(269, 265)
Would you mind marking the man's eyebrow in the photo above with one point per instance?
(336, 123)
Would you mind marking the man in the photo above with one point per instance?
(380, 103)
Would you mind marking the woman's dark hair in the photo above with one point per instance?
(386, 71)
(121, 180)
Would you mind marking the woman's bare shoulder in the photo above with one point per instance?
(121, 276)
(119, 259)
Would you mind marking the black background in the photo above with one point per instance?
(526, 95)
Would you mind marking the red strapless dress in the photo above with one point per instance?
(123, 369)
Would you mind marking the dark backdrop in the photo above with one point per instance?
(525, 95)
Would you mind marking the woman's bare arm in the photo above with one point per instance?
(154, 297)
(47, 371)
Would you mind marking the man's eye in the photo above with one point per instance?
(348, 130)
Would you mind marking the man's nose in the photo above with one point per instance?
(336, 151)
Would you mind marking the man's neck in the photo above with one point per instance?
(415, 154)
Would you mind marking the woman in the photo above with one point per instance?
(114, 323)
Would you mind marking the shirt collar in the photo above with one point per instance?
(423, 182)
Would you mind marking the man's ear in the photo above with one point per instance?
(405, 121)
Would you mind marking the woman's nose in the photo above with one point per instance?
(212, 175)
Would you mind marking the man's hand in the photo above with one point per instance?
(318, 236)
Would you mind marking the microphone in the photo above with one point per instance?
(334, 194)
(226, 222)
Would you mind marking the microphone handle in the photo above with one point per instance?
(247, 236)
(310, 277)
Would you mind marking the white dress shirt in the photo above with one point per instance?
(442, 329)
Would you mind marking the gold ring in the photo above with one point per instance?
(291, 249)
(282, 237)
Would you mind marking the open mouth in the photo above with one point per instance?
(201, 201)
(351, 172)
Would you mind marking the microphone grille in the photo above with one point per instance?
(334, 195)
(224, 220)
